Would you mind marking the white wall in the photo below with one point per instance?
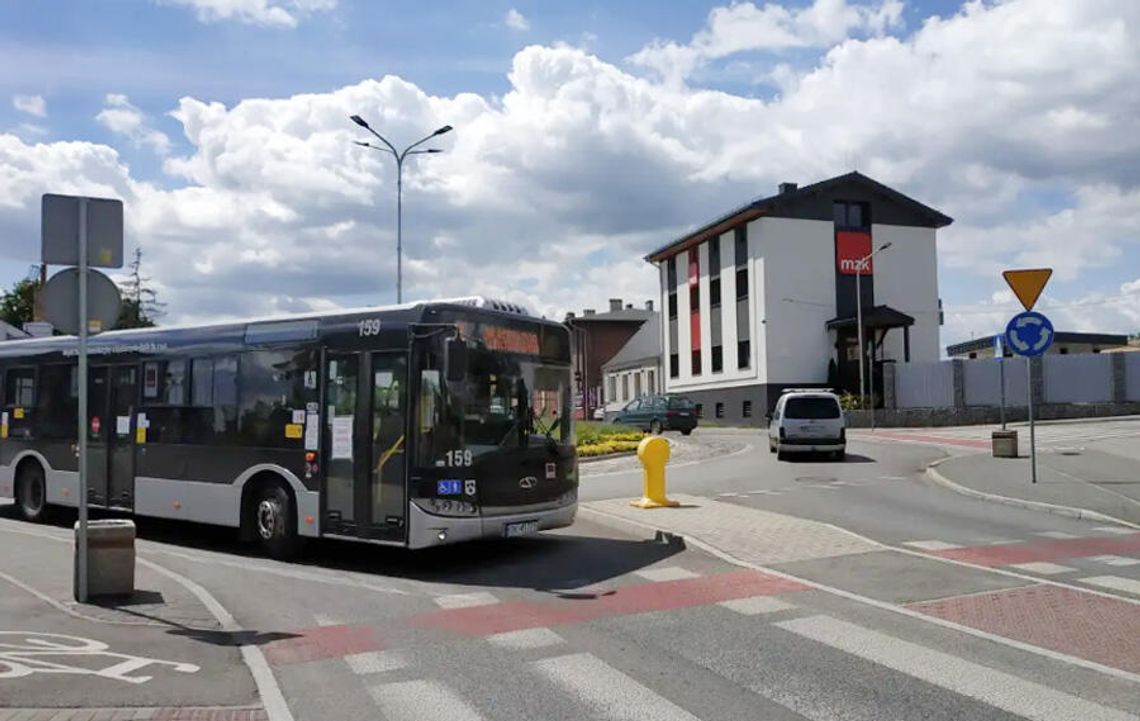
(906, 278)
(924, 385)
(982, 379)
(799, 265)
(619, 400)
(1085, 378)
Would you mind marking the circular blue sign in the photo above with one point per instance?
(1029, 333)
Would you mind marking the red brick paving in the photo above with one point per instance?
(1080, 624)
(625, 600)
(314, 644)
(1051, 550)
(325, 642)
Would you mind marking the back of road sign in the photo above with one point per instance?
(1027, 284)
(60, 231)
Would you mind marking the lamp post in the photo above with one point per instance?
(399, 156)
(859, 321)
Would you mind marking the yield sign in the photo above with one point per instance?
(1027, 284)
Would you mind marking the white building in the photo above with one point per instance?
(764, 298)
(635, 370)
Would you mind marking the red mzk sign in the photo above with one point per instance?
(851, 251)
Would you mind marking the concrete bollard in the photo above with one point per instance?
(653, 452)
(110, 558)
(1004, 444)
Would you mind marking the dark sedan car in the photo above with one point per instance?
(660, 413)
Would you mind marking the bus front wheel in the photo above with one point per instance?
(273, 519)
(31, 492)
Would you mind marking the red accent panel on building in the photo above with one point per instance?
(694, 267)
(695, 329)
(850, 248)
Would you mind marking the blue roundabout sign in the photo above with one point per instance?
(1029, 333)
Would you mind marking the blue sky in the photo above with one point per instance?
(548, 99)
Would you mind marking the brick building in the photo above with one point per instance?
(596, 338)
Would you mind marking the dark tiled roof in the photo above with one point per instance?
(761, 206)
(1104, 339)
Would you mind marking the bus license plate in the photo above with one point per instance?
(522, 528)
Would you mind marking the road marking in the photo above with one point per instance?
(666, 573)
(371, 662)
(1116, 583)
(931, 545)
(1060, 535)
(1115, 560)
(609, 692)
(756, 605)
(528, 638)
(271, 696)
(23, 653)
(730, 495)
(1115, 529)
(323, 620)
(981, 683)
(1042, 567)
(415, 700)
(465, 600)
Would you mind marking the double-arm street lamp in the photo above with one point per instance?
(864, 262)
(399, 156)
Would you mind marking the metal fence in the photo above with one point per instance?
(982, 379)
(924, 385)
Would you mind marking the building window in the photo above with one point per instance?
(652, 382)
(746, 409)
(611, 388)
(637, 384)
(625, 387)
(697, 362)
(853, 216)
(740, 242)
(672, 306)
(714, 257)
(742, 283)
(717, 359)
(694, 299)
(700, 410)
(1064, 351)
(719, 410)
(671, 274)
(743, 354)
(674, 365)
(973, 356)
(714, 292)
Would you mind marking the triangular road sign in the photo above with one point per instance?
(1028, 284)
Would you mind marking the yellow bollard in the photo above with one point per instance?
(653, 452)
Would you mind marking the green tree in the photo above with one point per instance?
(140, 306)
(18, 305)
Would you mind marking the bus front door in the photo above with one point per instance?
(364, 445)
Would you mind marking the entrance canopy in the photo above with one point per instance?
(880, 316)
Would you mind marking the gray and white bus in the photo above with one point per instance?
(412, 425)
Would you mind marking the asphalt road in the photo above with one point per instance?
(604, 621)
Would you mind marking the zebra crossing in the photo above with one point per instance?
(775, 656)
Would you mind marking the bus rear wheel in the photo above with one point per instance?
(273, 521)
(31, 492)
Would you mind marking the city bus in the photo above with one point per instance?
(413, 425)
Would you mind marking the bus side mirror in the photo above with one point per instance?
(456, 359)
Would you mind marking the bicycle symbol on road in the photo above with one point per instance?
(23, 653)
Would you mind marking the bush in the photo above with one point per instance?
(851, 402)
(592, 433)
(605, 447)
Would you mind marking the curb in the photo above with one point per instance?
(1071, 511)
(594, 459)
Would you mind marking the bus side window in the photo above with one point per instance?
(20, 397)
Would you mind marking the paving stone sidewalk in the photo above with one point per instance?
(750, 534)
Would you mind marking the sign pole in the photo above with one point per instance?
(1000, 352)
(1032, 434)
(82, 382)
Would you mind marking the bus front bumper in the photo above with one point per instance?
(426, 530)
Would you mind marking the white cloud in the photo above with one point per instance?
(271, 13)
(120, 116)
(30, 104)
(745, 27)
(516, 21)
(551, 194)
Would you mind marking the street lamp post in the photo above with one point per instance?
(859, 322)
(399, 156)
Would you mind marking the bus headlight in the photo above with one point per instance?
(449, 507)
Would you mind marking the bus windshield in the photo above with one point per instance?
(505, 401)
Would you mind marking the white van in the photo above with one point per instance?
(807, 421)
